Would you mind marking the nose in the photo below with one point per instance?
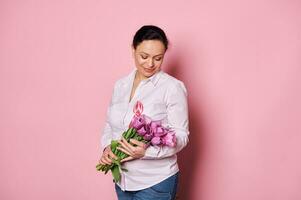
(150, 62)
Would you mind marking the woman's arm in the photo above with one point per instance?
(177, 115)
(107, 130)
(107, 135)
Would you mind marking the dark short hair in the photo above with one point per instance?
(150, 32)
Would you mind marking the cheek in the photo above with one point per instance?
(140, 61)
(158, 63)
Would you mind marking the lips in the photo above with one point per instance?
(148, 70)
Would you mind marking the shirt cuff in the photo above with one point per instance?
(105, 145)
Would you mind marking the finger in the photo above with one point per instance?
(112, 155)
(127, 145)
(124, 146)
(106, 150)
(127, 159)
(104, 161)
(107, 159)
(138, 143)
(124, 151)
(100, 162)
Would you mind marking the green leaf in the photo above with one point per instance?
(116, 173)
(107, 169)
(132, 135)
(129, 132)
(123, 134)
(99, 167)
(114, 144)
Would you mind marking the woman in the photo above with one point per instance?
(152, 171)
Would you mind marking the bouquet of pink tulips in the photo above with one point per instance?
(143, 129)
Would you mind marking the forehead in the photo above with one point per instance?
(151, 47)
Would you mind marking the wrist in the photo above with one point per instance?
(106, 148)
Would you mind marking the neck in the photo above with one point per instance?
(139, 77)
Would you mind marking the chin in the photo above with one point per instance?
(149, 73)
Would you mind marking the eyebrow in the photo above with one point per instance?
(154, 56)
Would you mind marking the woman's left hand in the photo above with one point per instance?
(134, 152)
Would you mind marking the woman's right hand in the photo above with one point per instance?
(107, 156)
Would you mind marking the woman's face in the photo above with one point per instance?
(148, 57)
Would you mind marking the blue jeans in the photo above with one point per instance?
(165, 190)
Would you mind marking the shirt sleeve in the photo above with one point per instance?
(106, 137)
(177, 117)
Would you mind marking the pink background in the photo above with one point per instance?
(240, 61)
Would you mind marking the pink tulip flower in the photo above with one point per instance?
(156, 141)
(169, 139)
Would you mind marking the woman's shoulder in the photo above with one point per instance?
(173, 82)
(124, 79)
(171, 78)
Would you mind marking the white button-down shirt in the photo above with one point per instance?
(164, 98)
